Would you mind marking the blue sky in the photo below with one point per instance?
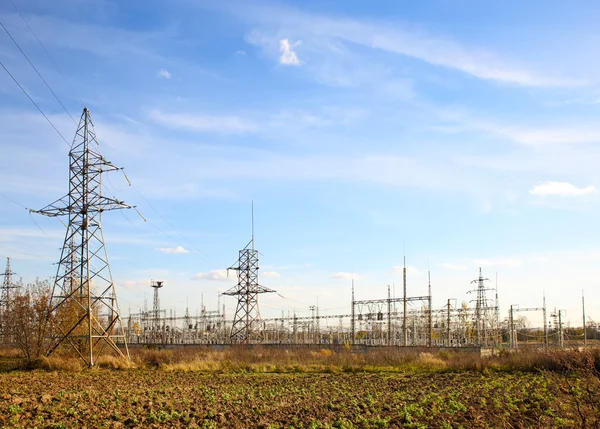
(464, 132)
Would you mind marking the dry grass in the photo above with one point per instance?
(113, 362)
(55, 363)
(298, 360)
(236, 359)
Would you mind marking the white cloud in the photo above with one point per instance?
(271, 274)
(345, 276)
(164, 73)
(203, 122)
(331, 36)
(453, 267)
(240, 52)
(172, 250)
(218, 275)
(134, 285)
(288, 56)
(498, 262)
(561, 189)
(409, 269)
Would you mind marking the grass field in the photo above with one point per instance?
(214, 390)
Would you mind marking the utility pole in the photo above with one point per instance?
(94, 319)
(318, 324)
(389, 318)
(545, 324)
(404, 315)
(561, 337)
(511, 327)
(429, 314)
(448, 323)
(584, 329)
(352, 322)
(558, 315)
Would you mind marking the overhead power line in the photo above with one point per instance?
(37, 71)
(48, 53)
(34, 103)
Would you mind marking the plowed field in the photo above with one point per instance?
(145, 398)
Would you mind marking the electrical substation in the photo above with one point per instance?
(89, 321)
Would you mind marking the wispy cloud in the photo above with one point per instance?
(217, 275)
(271, 274)
(204, 122)
(173, 250)
(288, 56)
(561, 189)
(329, 35)
(552, 135)
(453, 267)
(498, 262)
(103, 41)
(345, 276)
(164, 73)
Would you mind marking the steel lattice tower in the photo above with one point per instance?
(156, 305)
(246, 327)
(84, 301)
(484, 313)
(5, 297)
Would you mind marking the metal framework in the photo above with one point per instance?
(246, 326)
(558, 323)
(156, 285)
(486, 316)
(85, 310)
(383, 311)
(5, 299)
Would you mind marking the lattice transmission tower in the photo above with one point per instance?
(246, 327)
(485, 314)
(5, 302)
(85, 310)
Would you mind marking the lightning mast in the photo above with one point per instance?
(156, 285)
(246, 327)
(84, 301)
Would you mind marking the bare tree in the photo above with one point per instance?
(29, 316)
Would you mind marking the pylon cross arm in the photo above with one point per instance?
(107, 203)
(104, 166)
(59, 207)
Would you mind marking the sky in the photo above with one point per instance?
(458, 134)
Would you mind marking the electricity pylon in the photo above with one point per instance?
(85, 311)
(5, 303)
(246, 327)
(483, 311)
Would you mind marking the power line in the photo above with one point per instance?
(34, 103)
(167, 222)
(47, 53)
(13, 201)
(38, 73)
